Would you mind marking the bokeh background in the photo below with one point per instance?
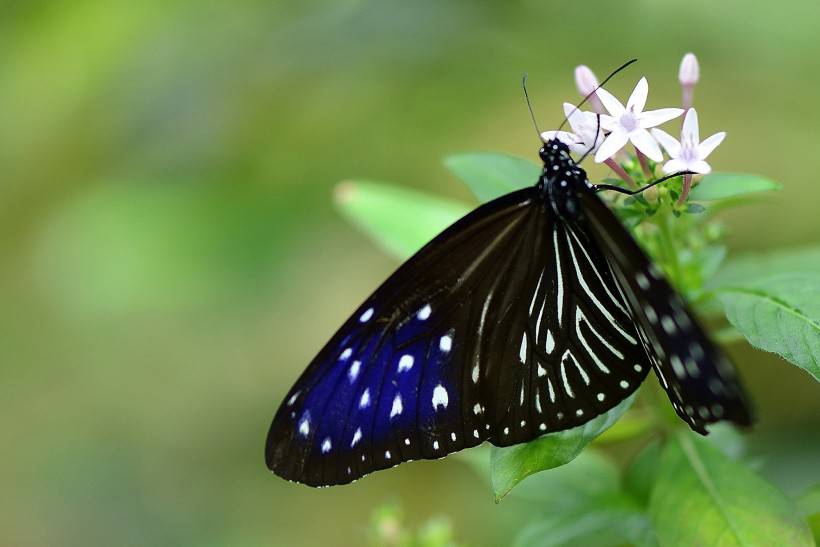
(170, 258)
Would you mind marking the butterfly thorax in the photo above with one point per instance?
(562, 180)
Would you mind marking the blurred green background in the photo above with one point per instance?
(171, 260)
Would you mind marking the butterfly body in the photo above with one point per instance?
(534, 313)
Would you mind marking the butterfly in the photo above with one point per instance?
(534, 313)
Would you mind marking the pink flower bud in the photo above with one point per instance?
(689, 72)
(585, 80)
(688, 75)
(587, 83)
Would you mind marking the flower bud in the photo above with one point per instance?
(587, 83)
(688, 76)
(689, 72)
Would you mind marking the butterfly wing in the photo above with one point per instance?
(696, 375)
(502, 328)
(573, 351)
(399, 380)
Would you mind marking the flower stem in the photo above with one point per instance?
(667, 246)
(687, 185)
(644, 163)
(620, 171)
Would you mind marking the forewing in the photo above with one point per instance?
(698, 378)
(403, 378)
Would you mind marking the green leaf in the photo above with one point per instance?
(779, 313)
(769, 299)
(605, 522)
(701, 497)
(640, 475)
(717, 186)
(492, 175)
(510, 465)
(753, 266)
(401, 221)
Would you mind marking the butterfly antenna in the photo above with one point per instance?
(529, 104)
(628, 192)
(591, 93)
(594, 141)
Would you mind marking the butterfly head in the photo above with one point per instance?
(562, 179)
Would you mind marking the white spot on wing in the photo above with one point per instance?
(356, 437)
(345, 355)
(424, 312)
(476, 409)
(365, 317)
(397, 406)
(445, 343)
(522, 351)
(677, 366)
(354, 371)
(440, 397)
(550, 342)
(541, 371)
(474, 374)
(668, 325)
(304, 425)
(326, 445)
(294, 397)
(643, 282)
(364, 402)
(405, 362)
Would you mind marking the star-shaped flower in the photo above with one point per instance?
(587, 135)
(688, 154)
(630, 123)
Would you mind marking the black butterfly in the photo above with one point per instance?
(534, 313)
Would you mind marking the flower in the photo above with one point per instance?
(688, 76)
(688, 154)
(588, 133)
(587, 84)
(630, 123)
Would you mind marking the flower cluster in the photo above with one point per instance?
(612, 125)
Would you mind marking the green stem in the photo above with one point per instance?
(667, 245)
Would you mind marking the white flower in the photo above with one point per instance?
(587, 133)
(630, 123)
(688, 154)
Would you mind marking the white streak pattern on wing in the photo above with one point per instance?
(597, 273)
(595, 298)
(579, 316)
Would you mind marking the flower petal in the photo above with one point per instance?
(706, 147)
(608, 122)
(637, 100)
(700, 166)
(609, 101)
(564, 136)
(653, 118)
(614, 142)
(670, 143)
(674, 166)
(644, 142)
(575, 117)
(690, 132)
